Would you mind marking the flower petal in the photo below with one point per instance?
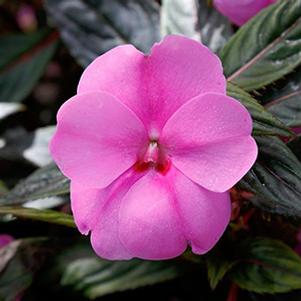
(105, 235)
(204, 214)
(85, 205)
(240, 11)
(209, 140)
(119, 72)
(179, 69)
(5, 239)
(149, 225)
(150, 216)
(97, 210)
(155, 86)
(97, 139)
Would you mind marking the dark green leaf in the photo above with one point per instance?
(266, 48)
(31, 146)
(48, 216)
(23, 59)
(267, 266)
(91, 27)
(3, 188)
(177, 18)
(38, 152)
(249, 296)
(46, 182)
(264, 123)
(7, 108)
(82, 270)
(6, 254)
(18, 264)
(14, 281)
(283, 99)
(215, 29)
(295, 146)
(217, 267)
(98, 278)
(48, 203)
(220, 260)
(197, 20)
(275, 178)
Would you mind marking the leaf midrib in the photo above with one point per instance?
(258, 56)
(52, 216)
(260, 262)
(110, 23)
(282, 98)
(42, 44)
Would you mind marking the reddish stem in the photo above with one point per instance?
(233, 292)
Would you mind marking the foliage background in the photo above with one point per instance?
(44, 46)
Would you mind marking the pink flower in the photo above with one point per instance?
(26, 18)
(240, 11)
(151, 144)
(5, 239)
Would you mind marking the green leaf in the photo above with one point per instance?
(19, 260)
(98, 278)
(7, 108)
(90, 28)
(6, 254)
(3, 188)
(31, 146)
(48, 203)
(267, 266)
(217, 267)
(23, 58)
(38, 152)
(264, 123)
(177, 18)
(250, 296)
(48, 216)
(45, 182)
(283, 99)
(266, 48)
(83, 271)
(275, 178)
(295, 146)
(197, 20)
(220, 260)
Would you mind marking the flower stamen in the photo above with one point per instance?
(154, 157)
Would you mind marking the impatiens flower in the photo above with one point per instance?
(5, 239)
(240, 11)
(152, 144)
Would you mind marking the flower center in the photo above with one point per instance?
(154, 157)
